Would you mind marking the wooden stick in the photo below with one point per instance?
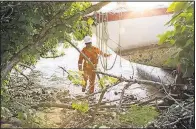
(99, 91)
(98, 104)
(21, 73)
(59, 105)
(122, 95)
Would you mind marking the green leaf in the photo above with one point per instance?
(171, 7)
(179, 6)
(189, 42)
(163, 38)
(90, 21)
(20, 115)
(21, 18)
(36, 20)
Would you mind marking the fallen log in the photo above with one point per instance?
(59, 105)
(147, 82)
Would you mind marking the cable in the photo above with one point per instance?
(120, 37)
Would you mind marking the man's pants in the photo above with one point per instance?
(90, 75)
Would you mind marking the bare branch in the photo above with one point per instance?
(99, 91)
(25, 65)
(99, 102)
(52, 56)
(64, 70)
(95, 7)
(122, 95)
(177, 121)
(139, 81)
(52, 105)
(21, 73)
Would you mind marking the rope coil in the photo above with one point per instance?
(102, 37)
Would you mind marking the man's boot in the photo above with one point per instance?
(83, 89)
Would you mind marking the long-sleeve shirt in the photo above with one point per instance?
(93, 55)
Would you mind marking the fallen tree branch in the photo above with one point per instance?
(128, 97)
(99, 102)
(122, 95)
(147, 82)
(177, 121)
(104, 102)
(129, 104)
(151, 100)
(170, 97)
(52, 105)
(99, 91)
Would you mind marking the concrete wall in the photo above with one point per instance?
(136, 32)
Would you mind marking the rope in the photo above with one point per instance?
(119, 38)
(102, 44)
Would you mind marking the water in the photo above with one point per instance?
(50, 68)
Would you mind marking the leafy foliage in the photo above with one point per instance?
(106, 80)
(30, 30)
(81, 106)
(139, 115)
(76, 77)
(24, 24)
(182, 36)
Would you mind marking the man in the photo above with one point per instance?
(93, 54)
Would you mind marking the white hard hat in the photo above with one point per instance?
(87, 39)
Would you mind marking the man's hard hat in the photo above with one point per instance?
(87, 39)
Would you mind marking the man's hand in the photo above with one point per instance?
(107, 55)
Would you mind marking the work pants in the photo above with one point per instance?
(89, 75)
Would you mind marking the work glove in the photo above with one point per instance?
(107, 55)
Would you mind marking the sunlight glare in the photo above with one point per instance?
(135, 6)
(142, 6)
(109, 7)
